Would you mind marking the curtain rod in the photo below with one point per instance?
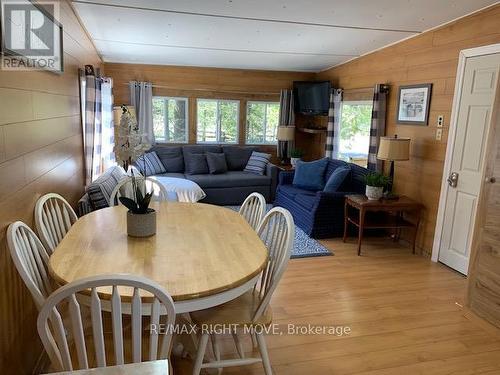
(211, 90)
(360, 89)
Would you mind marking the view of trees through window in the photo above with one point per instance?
(170, 119)
(262, 122)
(355, 123)
(217, 121)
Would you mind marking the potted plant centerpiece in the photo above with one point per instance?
(129, 146)
(295, 155)
(375, 184)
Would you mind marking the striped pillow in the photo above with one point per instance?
(150, 164)
(99, 191)
(257, 163)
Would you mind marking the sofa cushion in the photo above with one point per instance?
(310, 175)
(237, 156)
(174, 175)
(196, 163)
(216, 163)
(257, 163)
(200, 149)
(229, 179)
(99, 191)
(306, 200)
(291, 191)
(150, 164)
(336, 179)
(171, 158)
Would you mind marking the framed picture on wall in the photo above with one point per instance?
(413, 104)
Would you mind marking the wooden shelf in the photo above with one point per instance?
(311, 130)
(387, 221)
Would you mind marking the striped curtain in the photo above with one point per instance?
(333, 131)
(287, 118)
(377, 128)
(92, 126)
(97, 105)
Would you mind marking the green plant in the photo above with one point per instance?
(140, 203)
(296, 153)
(377, 180)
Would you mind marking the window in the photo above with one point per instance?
(355, 120)
(217, 121)
(262, 122)
(170, 119)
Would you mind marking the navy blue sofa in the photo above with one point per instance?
(318, 213)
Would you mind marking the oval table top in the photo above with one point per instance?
(199, 249)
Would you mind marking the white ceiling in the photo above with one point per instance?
(258, 34)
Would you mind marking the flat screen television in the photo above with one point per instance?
(312, 98)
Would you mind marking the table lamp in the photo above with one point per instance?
(285, 134)
(393, 149)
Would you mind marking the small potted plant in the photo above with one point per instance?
(295, 155)
(375, 184)
(141, 220)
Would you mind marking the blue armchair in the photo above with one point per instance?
(320, 214)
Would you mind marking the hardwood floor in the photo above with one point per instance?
(404, 313)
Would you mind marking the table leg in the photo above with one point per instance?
(417, 223)
(361, 228)
(346, 221)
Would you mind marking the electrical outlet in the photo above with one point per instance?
(440, 121)
(439, 134)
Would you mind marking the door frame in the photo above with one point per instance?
(462, 59)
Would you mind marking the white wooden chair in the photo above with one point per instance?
(94, 349)
(53, 218)
(277, 231)
(31, 261)
(253, 209)
(124, 188)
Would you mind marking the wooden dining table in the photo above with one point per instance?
(202, 255)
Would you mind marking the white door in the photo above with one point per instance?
(467, 162)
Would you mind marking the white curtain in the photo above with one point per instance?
(141, 97)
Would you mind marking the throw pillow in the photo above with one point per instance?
(196, 164)
(216, 163)
(257, 163)
(150, 164)
(237, 156)
(310, 175)
(336, 179)
(99, 191)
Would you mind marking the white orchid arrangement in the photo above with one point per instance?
(129, 143)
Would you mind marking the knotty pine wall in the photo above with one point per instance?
(431, 57)
(194, 82)
(40, 152)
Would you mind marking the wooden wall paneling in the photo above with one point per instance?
(483, 289)
(40, 152)
(431, 57)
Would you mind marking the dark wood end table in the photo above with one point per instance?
(392, 217)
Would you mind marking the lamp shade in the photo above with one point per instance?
(286, 133)
(394, 149)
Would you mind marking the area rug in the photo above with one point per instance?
(303, 246)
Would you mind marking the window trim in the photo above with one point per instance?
(218, 124)
(266, 102)
(165, 119)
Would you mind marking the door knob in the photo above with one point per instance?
(453, 179)
(491, 180)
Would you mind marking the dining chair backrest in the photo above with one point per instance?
(253, 209)
(91, 349)
(53, 219)
(124, 188)
(277, 231)
(31, 260)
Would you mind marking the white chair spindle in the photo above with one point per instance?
(98, 333)
(53, 219)
(136, 326)
(253, 209)
(154, 326)
(78, 334)
(116, 309)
